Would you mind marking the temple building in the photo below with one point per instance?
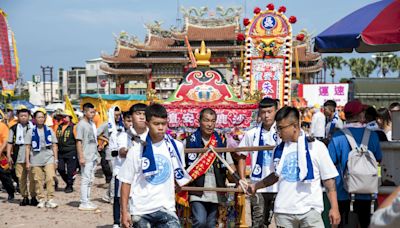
(160, 61)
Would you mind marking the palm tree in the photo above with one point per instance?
(394, 64)
(334, 62)
(360, 67)
(384, 61)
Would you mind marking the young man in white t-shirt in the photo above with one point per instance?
(153, 194)
(134, 125)
(264, 134)
(300, 164)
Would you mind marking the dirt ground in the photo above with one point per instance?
(66, 215)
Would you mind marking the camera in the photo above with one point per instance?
(114, 153)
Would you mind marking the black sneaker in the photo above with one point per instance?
(68, 189)
(10, 197)
(24, 202)
(34, 202)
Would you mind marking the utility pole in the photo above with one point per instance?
(47, 71)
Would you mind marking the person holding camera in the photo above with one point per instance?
(67, 155)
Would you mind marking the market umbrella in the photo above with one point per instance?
(17, 103)
(373, 28)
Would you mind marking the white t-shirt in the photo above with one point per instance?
(318, 124)
(269, 139)
(297, 197)
(150, 194)
(124, 141)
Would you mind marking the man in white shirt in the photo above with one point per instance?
(151, 169)
(135, 129)
(318, 123)
(264, 134)
(299, 166)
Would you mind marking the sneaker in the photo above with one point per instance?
(24, 202)
(93, 204)
(115, 226)
(34, 202)
(10, 197)
(87, 207)
(106, 198)
(51, 204)
(68, 189)
(41, 204)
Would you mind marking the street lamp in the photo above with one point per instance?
(382, 57)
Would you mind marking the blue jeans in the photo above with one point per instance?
(204, 214)
(160, 219)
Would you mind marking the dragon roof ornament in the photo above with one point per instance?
(220, 17)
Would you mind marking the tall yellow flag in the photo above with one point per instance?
(68, 106)
(102, 110)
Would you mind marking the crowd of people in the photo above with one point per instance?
(144, 166)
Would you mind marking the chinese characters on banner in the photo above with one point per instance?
(319, 93)
(226, 118)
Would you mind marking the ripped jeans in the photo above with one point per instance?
(160, 219)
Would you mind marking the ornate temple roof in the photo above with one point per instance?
(198, 33)
(312, 68)
(109, 70)
(305, 55)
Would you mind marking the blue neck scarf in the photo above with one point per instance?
(258, 168)
(149, 165)
(335, 119)
(36, 138)
(196, 141)
(310, 170)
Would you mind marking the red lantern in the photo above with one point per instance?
(257, 10)
(246, 21)
(282, 9)
(270, 6)
(292, 19)
(300, 37)
(240, 37)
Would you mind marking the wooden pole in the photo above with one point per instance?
(203, 189)
(229, 150)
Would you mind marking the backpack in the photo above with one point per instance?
(361, 172)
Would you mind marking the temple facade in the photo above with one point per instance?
(158, 64)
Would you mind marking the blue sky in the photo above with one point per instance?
(65, 33)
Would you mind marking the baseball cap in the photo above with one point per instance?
(353, 108)
(22, 107)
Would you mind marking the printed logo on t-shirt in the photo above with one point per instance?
(290, 169)
(164, 170)
(267, 157)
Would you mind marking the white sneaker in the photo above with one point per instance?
(106, 198)
(92, 204)
(115, 226)
(87, 207)
(41, 204)
(51, 204)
